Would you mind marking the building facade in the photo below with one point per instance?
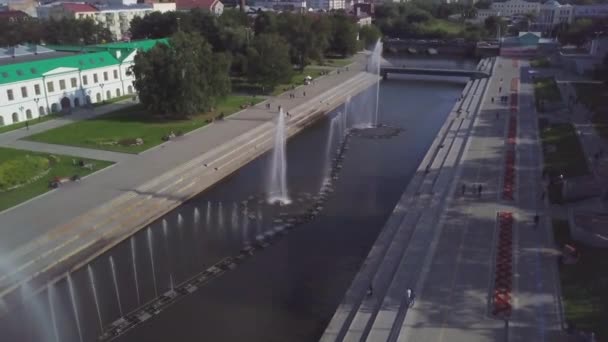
(326, 5)
(36, 88)
(515, 7)
(553, 13)
(591, 11)
(214, 6)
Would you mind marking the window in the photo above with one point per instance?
(85, 81)
(24, 92)
(37, 89)
(105, 75)
(61, 84)
(20, 72)
(95, 79)
(73, 82)
(9, 93)
(115, 74)
(50, 87)
(5, 74)
(91, 60)
(33, 71)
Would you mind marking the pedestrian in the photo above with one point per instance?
(499, 89)
(370, 290)
(536, 219)
(304, 93)
(479, 188)
(410, 297)
(27, 125)
(464, 188)
(492, 99)
(279, 108)
(268, 105)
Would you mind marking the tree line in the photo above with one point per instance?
(205, 52)
(64, 31)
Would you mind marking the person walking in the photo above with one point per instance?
(410, 297)
(479, 188)
(27, 125)
(492, 99)
(370, 290)
(536, 219)
(304, 93)
(464, 188)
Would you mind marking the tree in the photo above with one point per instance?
(268, 61)
(181, 78)
(483, 4)
(265, 22)
(344, 38)
(494, 25)
(369, 34)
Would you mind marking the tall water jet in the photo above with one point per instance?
(151, 252)
(95, 298)
(220, 215)
(196, 217)
(171, 284)
(113, 266)
(333, 126)
(51, 295)
(344, 118)
(135, 277)
(74, 306)
(180, 220)
(165, 226)
(376, 61)
(277, 182)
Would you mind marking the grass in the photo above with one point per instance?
(563, 154)
(545, 89)
(540, 62)
(298, 79)
(334, 62)
(595, 97)
(131, 123)
(440, 27)
(113, 100)
(584, 284)
(62, 168)
(4, 129)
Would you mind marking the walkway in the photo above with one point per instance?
(445, 245)
(121, 199)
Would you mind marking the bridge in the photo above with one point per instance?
(474, 74)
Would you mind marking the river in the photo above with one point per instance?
(286, 292)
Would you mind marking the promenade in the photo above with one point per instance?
(58, 231)
(481, 270)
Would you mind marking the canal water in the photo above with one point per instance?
(286, 292)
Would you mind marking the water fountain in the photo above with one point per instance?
(51, 295)
(134, 261)
(180, 220)
(113, 267)
(376, 61)
(151, 251)
(220, 216)
(171, 284)
(196, 217)
(95, 298)
(344, 118)
(333, 127)
(234, 219)
(277, 182)
(75, 306)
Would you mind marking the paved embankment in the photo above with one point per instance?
(246, 135)
(465, 239)
(396, 257)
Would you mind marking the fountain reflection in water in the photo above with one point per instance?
(117, 290)
(95, 298)
(51, 297)
(277, 182)
(151, 252)
(75, 306)
(134, 261)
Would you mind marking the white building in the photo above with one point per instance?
(33, 88)
(553, 13)
(483, 14)
(326, 5)
(514, 7)
(214, 6)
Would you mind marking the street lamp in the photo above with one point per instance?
(102, 95)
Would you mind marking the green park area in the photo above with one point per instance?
(595, 97)
(540, 62)
(545, 91)
(584, 284)
(118, 131)
(563, 154)
(25, 174)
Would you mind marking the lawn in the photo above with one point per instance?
(440, 27)
(113, 100)
(546, 90)
(562, 152)
(25, 174)
(298, 79)
(32, 122)
(334, 62)
(117, 130)
(584, 284)
(540, 62)
(595, 97)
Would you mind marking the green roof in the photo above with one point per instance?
(30, 70)
(98, 56)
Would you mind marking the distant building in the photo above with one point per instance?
(586, 63)
(284, 5)
(553, 13)
(514, 7)
(213, 6)
(27, 6)
(13, 15)
(35, 81)
(591, 11)
(483, 14)
(326, 5)
(116, 18)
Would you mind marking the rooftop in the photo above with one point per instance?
(189, 4)
(76, 7)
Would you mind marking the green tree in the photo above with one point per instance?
(369, 34)
(494, 25)
(344, 38)
(265, 22)
(268, 61)
(181, 78)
